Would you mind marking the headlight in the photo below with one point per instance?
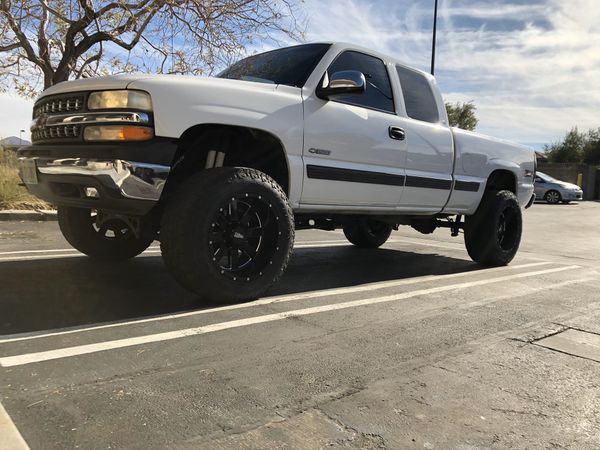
(117, 133)
(120, 99)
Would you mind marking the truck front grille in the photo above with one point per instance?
(57, 132)
(62, 104)
(53, 105)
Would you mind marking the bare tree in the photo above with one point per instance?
(44, 42)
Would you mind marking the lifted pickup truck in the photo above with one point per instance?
(223, 170)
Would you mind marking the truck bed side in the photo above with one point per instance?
(477, 157)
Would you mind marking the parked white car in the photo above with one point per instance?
(223, 170)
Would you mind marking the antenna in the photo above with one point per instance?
(434, 36)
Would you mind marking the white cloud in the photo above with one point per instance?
(529, 83)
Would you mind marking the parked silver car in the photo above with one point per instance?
(553, 191)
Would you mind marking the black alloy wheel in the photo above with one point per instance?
(507, 229)
(243, 236)
(227, 234)
(101, 236)
(493, 233)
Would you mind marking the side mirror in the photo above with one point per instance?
(343, 82)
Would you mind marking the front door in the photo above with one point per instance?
(351, 158)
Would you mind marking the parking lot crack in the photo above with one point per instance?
(359, 439)
(526, 413)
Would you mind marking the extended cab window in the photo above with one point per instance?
(418, 96)
(290, 66)
(378, 94)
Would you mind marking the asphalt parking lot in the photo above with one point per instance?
(408, 346)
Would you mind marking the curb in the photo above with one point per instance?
(37, 215)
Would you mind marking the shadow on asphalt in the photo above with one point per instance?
(68, 292)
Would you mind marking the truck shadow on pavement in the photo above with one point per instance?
(69, 292)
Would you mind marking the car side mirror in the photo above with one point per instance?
(342, 82)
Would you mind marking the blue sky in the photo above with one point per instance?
(532, 67)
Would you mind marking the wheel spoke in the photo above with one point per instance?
(252, 233)
(247, 249)
(235, 258)
(103, 229)
(233, 210)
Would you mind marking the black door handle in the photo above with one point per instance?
(397, 133)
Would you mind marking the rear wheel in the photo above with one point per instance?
(228, 233)
(553, 197)
(368, 233)
(100, 236)
(493, 233)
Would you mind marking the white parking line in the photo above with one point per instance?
(281, 299)
(71, 254)
(29, 255)
(54, 250)
(10, 438)
(28, 358)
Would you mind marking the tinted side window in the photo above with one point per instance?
(378, 94)
(418, 97)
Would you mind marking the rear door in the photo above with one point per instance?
(430, 152)
(349, 154)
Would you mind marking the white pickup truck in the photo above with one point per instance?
(224, 170)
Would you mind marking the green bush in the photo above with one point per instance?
(576, 147)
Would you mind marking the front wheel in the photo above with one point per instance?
(367, 233)
(100, 236)
(228, 234)
(493, 233)
(553, 197)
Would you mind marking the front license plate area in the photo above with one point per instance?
(28, 171)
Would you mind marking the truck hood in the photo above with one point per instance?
(138, 80)
(97, 83)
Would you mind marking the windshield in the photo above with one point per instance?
(546, 177)
(290, 66)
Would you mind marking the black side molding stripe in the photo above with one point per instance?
(365, 176)
(355, 176)
(471, 186)
(429, 183)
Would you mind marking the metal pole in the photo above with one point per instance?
(434, 33)
(21, 137)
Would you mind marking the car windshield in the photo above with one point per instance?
(547, 178)
(290, 66)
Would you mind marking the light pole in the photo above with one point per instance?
(21, 136)
(434, 33)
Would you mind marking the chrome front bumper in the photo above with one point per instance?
(134, 180)
(115, 184)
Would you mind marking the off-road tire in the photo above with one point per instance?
(367, 233)
(78, 227)
(493, 233)
(191, 223)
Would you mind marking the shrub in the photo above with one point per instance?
(13, 196)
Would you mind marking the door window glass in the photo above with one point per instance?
(378, 92)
